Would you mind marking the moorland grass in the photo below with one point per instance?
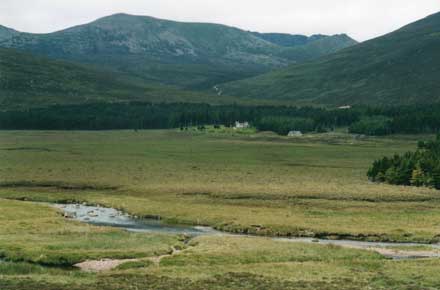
(255, 183)
(259, 184)
(38, 234)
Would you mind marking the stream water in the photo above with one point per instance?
(102, 216)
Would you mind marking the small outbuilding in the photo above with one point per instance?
(295, 134)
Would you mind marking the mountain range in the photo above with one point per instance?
(124, 58)
(402, 67)
(188, 55)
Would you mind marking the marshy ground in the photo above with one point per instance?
(313, 186)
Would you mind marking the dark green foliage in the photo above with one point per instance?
(136, 115)
(283, 125)
(420, 168)
(280, 119)
(376, 125)
(161, 116)
(399, 68)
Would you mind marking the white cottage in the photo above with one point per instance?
(243, 125)
(295, 134)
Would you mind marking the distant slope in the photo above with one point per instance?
(7, 33)
(402, 67)
(315, 49)
(27, 81)
(189, 55)
(300, 48)
(288, 40)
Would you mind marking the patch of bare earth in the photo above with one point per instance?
(110, 264)
(102, 265)
(400, 254)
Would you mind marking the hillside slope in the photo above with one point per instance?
(300, 48)
(288, 40)
(7, 33)
(315, 49)
(27, 81)
(190, 55)
(402, 67)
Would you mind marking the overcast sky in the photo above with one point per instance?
(361, 19)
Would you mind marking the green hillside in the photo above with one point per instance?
(300, 48)
(28, 81)
(190, 55)
(7, 33)
(399, 68)
(288, 40)
(322, 46)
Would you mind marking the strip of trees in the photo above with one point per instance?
(419, 168)
(280, 119)
(106, 116)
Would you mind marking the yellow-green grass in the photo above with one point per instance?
(325, 267)
(212, 262)
(257, 183)
(39, 234)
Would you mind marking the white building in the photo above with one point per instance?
(243, 125)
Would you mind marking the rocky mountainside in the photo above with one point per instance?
(189, 55)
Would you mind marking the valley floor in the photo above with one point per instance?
(313, 186)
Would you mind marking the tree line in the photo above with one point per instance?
(397, 120)
(280, 119)
(106, 116)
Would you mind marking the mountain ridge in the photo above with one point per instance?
(7, 33)
(189, 55)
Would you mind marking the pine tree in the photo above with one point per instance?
(418, 176)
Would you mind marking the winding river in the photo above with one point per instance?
(102, 216)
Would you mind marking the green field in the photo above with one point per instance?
(262, 184)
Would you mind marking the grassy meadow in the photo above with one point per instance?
(262, 184)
